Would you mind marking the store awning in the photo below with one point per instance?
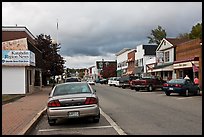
(167, 68)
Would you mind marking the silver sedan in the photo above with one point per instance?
(72, 100)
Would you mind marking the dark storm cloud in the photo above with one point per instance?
(101, 29)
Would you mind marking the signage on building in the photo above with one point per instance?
(160, 57)
(18, 58)
(184, 65)
(17, 44)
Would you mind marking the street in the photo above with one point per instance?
(135, 113)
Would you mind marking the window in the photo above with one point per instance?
(166, 56)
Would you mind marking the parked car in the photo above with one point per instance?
(72, 100)
(113, 81)
(90, 82)
(124, 81)
(72, 79)
(147, 83)
(104, 81)
(181, 86)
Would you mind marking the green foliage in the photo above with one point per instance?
(157, 35)
(183, 36)
(52, 60)
(196, 31)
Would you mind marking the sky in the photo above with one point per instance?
(92, 31)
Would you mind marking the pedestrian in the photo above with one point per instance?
(186, 77)
(196, 80)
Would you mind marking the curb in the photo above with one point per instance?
(32, 123)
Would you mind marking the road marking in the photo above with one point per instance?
(113, 124)
(185, 98)
(98, 127)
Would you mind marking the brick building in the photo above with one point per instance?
(188, 54)
(131, 62)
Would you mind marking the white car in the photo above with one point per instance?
(91, 82)
(113, 81)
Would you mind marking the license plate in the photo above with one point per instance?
(171, 89)
(73, 114)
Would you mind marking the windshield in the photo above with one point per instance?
(76, 88)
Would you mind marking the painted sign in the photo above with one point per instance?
(18, 58)
(160, 57)
(17, 44)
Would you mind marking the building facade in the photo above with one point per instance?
(21, 61)
(188, 56)
(142, 55)
(165, 57)
(121, 58)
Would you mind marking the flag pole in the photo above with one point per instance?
(57, 31)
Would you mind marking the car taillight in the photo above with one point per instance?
(165, 85)
(178, 85)
(91, 100)
(54, 103)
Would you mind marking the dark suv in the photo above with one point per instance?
(124, 81)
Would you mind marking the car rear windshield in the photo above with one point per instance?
(72, 80)
(75, 88)
(179, 81)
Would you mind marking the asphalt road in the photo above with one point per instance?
(135, 113)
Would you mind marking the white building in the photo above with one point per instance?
(21, 72)
(122, 57)
(142, 54)
(165, 56)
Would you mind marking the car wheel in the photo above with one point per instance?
(96, 118)
(137, 89)
(150, 88)
(51, 122)
(167, 93)
(187, 93)
(131, 88)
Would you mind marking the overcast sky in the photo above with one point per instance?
(92, 31)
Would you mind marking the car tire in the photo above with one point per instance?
(137, 89)
(150, 88)
(96, 118)
(167, 93)
(51, 122)
(187, 93)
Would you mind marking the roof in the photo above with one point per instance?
(18, 28)
(122, 51)
(150, 49)
(176, 41)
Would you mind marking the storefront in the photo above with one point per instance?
(187, 67)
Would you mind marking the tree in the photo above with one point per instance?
(196, 31)
(52, 61)
(157, 35)
(183, 36)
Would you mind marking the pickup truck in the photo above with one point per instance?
(147, 83)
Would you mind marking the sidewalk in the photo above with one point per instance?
(19, 115)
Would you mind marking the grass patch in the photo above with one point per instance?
(10, 97)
